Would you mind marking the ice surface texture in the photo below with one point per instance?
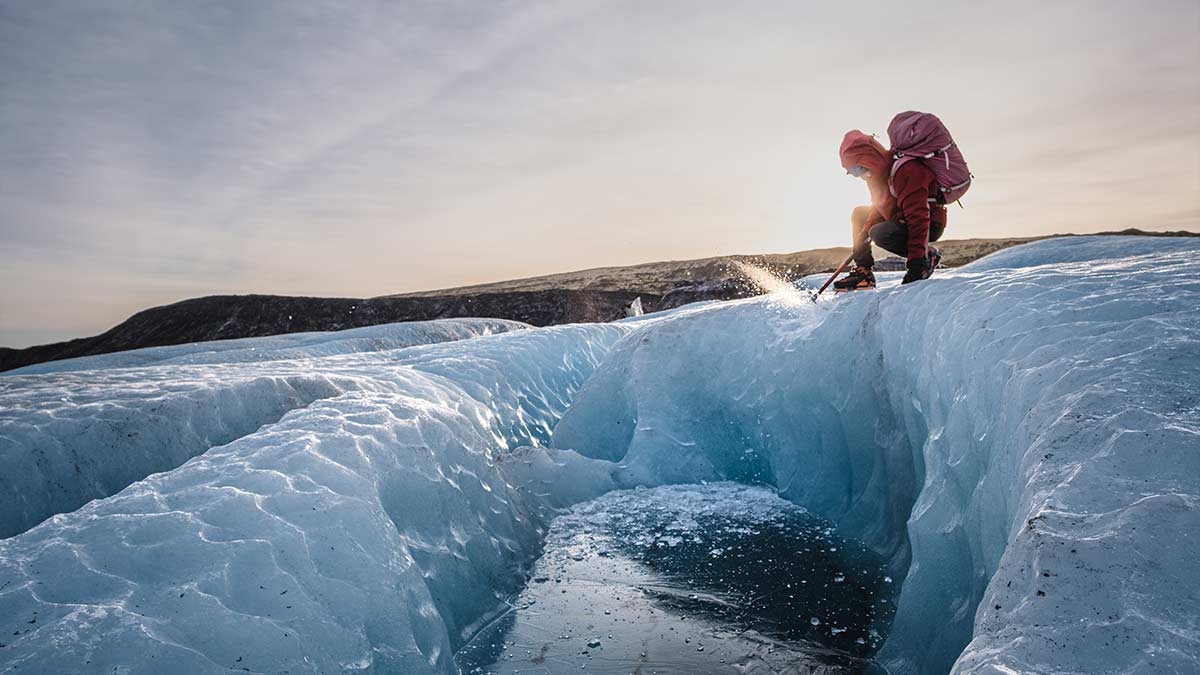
(1020, 437)
(99, 425)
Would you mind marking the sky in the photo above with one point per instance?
(156, 150)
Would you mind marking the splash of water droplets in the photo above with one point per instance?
(769, 282)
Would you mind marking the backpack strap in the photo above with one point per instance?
(952, 188)
(942, 151)
(900, 160)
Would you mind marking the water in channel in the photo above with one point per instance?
(717, 578)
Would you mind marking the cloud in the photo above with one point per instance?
(367, 147)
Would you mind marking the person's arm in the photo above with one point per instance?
(913, 183)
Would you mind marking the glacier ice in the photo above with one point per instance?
(367, 531)
(1019, 438)
(88, 427)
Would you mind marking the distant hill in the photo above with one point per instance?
(659, 278)
(592, 295)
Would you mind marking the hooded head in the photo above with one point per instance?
(859, 149)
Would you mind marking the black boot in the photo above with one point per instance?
(935, 258)
(858, 279)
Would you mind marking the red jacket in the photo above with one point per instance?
(914, 183)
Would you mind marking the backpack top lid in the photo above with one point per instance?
(916, 134)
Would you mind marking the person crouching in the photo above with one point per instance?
(903, 224)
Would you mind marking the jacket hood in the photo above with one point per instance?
(859, 149)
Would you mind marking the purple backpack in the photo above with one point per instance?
(922, 137)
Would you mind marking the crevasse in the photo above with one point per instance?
(1019, 437)
(1025, 431)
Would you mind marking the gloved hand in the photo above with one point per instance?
(918, 270)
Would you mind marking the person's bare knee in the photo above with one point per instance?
(858, 217)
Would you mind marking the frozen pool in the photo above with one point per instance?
(718, 578)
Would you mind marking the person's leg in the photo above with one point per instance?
(935, 232)
(862, 246)
(860, 277)
(891, 236)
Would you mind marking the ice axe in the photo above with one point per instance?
(835, 273)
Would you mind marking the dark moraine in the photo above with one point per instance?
(223, 317)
